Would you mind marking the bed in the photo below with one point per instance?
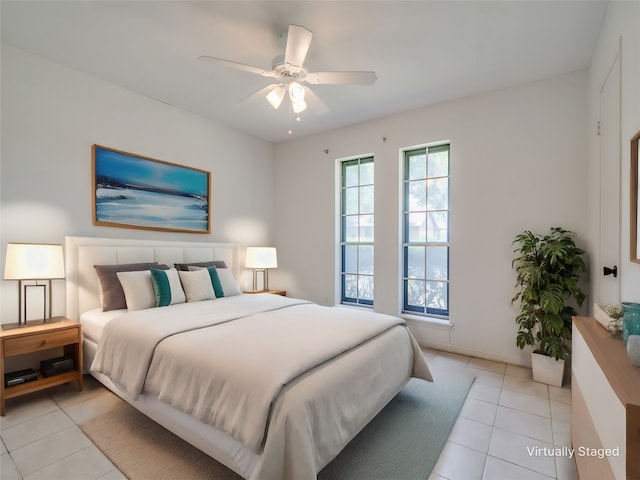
(272, 387)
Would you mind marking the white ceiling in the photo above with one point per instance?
(423, 52)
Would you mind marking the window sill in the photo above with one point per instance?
(431, 321)
(358, 306)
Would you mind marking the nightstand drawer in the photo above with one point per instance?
(39, 341)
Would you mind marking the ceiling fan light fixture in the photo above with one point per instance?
(275, 96)
(299, 106)
(296, 95)
(296, 91)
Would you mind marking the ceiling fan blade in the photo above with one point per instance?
(315, 104)
(346, 78)
(236, 65)
(298, 41)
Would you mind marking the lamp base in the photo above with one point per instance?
(11, 326)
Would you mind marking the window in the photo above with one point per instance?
(356, 231)
(425, 248)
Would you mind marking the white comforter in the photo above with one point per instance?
(227, 361)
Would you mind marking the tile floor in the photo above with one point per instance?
(505, 414)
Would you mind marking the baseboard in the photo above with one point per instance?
(473, 352)
(438, 337)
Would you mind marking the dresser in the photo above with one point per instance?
(605, 418)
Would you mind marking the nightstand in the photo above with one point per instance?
(274, 292)
(34, 338)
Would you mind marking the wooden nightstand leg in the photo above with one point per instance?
(2, 401)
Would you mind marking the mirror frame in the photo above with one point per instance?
(635, 140)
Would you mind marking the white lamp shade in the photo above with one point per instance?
(261, 257)
(296, 94)
(296, 91)
(33, 261)
(299, 106)
(275, 96)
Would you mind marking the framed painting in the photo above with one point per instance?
(635, 198)
(133, 191)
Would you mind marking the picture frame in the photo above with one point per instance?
(634, 198)
(135, 191)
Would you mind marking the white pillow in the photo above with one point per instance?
(229, 285)
(197, 285)
(138, 289)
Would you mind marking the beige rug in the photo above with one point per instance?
(402, 443)
(144, 450)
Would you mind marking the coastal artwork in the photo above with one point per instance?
(132, 191)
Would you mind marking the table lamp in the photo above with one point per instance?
(33, 262)
(261, 259)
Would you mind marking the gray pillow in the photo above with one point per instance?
(111, 292)
(185, 266)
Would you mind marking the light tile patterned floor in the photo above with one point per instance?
(505, 415)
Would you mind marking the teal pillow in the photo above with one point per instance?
(167, 287)
(215, 281)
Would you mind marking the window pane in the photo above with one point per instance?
(350, 201)
(437, 226)
(357, 230)
(438, 163)
(426, 230)
(417, 195)
(417, 227)
(366, 173)
(366, 228)
(415, 293)
(438, 194)
(350, 253)
(415, 262)
(365, 259)
(351, 286)
(366, 199)
(365, 287)
(437, 263)
(350, 176)
(437, 295)
(350, 228)
(417, 167)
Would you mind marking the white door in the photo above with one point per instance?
(608, 286)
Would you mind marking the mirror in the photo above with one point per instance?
(635, 213)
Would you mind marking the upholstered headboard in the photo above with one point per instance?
(82, 253)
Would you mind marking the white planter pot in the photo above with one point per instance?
(547, 369)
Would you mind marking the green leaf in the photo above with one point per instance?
(552, 299)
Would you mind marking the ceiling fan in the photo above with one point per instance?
(291, 74)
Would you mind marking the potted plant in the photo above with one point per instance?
(548, 269)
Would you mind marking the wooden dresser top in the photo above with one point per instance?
(611, 355)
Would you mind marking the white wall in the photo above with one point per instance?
(622, 22)
(518, 161)
(51, 115)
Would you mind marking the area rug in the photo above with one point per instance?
(403, 442)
